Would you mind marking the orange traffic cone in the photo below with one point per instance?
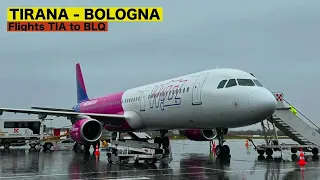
(247, 143)
(213, 147)
(96, 152)
(302, 161)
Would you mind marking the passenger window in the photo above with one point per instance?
(221, 84)
(184, 89)
(188, 89)
(257, 83)
(231, 82)
(245, 82)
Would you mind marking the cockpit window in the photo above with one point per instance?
(245, 82)
(231, 82)
(257, 83)
(221, 84)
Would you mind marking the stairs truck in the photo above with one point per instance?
(292, 123)
(21, 132)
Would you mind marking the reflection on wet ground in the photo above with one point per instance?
(191, 160)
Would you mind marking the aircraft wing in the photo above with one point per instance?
(52, 109)
(113, 119)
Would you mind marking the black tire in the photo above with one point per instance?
(269, 152)
(6, 145)
(47, 146)
(294, 150)
(151, 161)
(260, 152)
(226, 149)
(315, 151)
(219, 151)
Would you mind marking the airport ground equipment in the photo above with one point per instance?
(137, 148)
(296, 126)
(20, 132)
(50, 141)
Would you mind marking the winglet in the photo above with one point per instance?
(81, 88)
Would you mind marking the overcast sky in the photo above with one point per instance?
(276, 40)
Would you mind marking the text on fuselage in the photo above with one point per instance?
(167, 94)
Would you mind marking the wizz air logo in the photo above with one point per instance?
(88, 103)
(168, 94)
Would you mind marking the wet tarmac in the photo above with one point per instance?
(191, 160)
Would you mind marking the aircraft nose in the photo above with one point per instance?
(262, 103)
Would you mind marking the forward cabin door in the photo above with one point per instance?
(143, 100)
(196, 89)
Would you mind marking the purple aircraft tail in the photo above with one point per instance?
(81, 88)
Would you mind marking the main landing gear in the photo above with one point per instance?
(163, 140)
(222, 150)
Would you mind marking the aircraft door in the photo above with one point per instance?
(196, 90)
(143, 100)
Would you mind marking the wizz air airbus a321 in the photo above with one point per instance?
(201, 105)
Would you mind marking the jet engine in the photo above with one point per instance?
(86, 131)
(199, 134)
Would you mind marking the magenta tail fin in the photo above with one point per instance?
(81, 88)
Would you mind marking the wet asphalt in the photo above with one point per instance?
(191, 160)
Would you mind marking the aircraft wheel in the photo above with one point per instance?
(226, 149)
(219, 151)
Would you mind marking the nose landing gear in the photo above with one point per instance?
(163, 140)
(222, 150)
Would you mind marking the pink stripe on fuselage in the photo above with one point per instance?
(110, 104)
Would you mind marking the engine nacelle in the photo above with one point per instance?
(86, 131)
(199, 134)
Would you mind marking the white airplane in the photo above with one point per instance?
(201, 105)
